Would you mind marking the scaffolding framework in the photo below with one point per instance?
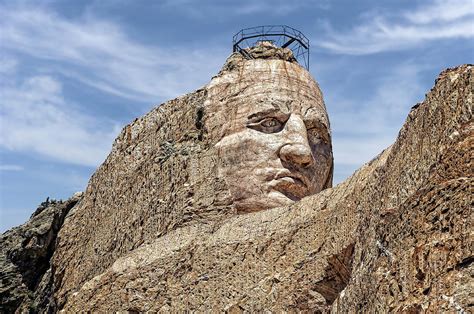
(280, 35)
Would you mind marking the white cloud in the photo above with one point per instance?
(8, 65)
(101, 55)
(386, 106)
(437, 20)
(442, 10)
(273, 7)
(11, 168)
(206, 8)
(362, 130)
(35, 118)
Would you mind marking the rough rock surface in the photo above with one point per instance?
(166, 172)
(158, 229)
(394, 236)
(414, 243)
(264, 50)
(25, 253)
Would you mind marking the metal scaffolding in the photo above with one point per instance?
(280, 35)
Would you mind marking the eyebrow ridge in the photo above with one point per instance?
(263, 113)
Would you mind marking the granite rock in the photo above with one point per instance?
(257, 136)
(174, 219)
(393, 237)
(25, 253)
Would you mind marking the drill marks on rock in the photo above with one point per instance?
(276, 260)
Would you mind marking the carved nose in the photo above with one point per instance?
(297, 154)
(296, 150)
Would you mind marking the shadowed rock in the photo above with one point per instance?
(25, 254)
(187, 214)
(334, 250)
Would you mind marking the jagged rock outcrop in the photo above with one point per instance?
(394, 236)
(264, 50)
(161, 226)
(167, 172)
(414, 248)
(25, 253)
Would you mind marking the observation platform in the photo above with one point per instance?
(279, 35)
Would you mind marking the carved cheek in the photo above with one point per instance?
(248, 150)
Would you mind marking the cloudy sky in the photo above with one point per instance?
(73, 73)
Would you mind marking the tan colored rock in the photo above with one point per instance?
(256, 137)
(274, 142)
(25, 253)
(159, 227)
(160, 175)
(416, 255)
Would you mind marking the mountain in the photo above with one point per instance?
(210, 203)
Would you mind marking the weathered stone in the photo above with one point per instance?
(416, 254)
(272, 131)
(166, 225)
(201, 158)
(263, 50)
(156, 234)
(25, 254)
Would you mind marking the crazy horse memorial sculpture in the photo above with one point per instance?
(222, 200)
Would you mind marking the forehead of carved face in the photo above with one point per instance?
(276, 146)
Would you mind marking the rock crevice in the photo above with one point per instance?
(159, 227)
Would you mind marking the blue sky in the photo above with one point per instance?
(73, 73)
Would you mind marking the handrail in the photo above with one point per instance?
(286, 37)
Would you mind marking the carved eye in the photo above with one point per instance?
(267, 121)
(316, 136)
(267, 125)
(270, 122)
(319, 141)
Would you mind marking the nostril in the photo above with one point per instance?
(299, 155)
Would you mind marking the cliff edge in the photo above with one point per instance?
(158, 228)
(392, 237)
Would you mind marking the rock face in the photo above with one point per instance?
(414, 248)
(166, 225)
(257, 136)
(272, 131)
(393, 237)
(25, 253)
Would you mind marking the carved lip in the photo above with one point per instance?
(298, 178)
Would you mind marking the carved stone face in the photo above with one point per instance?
(276, 148)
